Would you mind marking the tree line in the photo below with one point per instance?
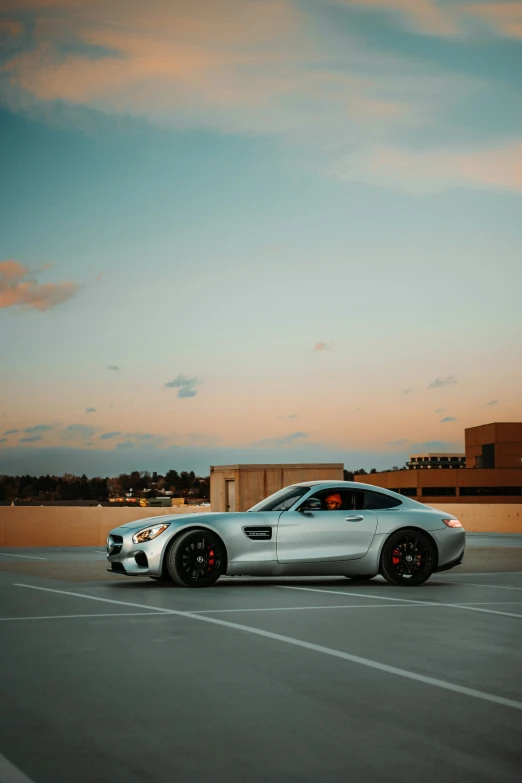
(139, 484)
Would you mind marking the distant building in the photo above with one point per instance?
(492, 472)
(496, 445)
(435, 460)
(239, 487)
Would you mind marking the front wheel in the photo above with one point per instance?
(196, 559)
(408, 558)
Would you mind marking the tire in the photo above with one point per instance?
(408, 558)
(363, 578)
(181, 560)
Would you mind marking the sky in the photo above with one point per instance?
(256, 231)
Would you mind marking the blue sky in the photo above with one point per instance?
(281, 221)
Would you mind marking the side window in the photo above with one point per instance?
(335, 499)
(375, 500)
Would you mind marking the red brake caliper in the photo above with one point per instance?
(211, 559)
(395, 557)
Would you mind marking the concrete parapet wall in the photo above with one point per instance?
(486, 517)
(73, 525)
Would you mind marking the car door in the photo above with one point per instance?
(326, 535)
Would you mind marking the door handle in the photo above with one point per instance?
(354, 519)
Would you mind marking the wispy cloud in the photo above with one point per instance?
(433, 445)
(438, 382)
(125, 445)
(11, 432)
(39, 428)
(185, 385)
(245, 66)
(453, 19)
(422, 15)
(440, 410)
(11, 27)
(19, 289)
(488, 404)
(288, 440)
(284, 416)
(109, 435)
(503, 17)
(401, 442)
(4, 440)
(113, 367)
(496, 167)
(448, 418)
(32, 439)
(78, 431)
(322, 347)
(293, 436)
(90, 410)
(409, 390)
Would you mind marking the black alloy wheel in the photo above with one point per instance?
(195, 559)
(408, 558)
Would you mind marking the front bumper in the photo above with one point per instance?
(130, 559)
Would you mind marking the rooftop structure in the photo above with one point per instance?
(436, 460)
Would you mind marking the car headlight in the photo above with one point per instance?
(148, 533)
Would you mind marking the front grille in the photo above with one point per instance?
(114, 544)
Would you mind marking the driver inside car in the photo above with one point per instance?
(333, 502)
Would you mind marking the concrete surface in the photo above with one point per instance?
(256, 680)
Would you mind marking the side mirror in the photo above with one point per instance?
(312, 504)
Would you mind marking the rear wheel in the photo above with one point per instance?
(196, 559)
(408, 558)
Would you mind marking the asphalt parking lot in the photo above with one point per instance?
(106, 678)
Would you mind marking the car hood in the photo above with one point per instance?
(182, 518)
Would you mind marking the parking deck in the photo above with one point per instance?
(108, 678)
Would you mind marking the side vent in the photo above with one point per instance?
(263, 533)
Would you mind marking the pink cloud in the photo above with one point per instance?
(497, 168)
(425, 15)
(234, 64)
(504, 17)
(17, 289)
(431, 16)
(322, 347)
(11, 26)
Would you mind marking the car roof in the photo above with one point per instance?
(356, 485)
(332, 483)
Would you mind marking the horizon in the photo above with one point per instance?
(243, 231)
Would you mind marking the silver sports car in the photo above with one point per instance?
(317, 528)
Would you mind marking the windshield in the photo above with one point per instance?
(282, 500)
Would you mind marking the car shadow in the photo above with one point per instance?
(232, 583)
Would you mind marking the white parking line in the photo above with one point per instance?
(76, 616)
(155, 613)
(476, 573)
(475, 584)
(11, 774)
(28, 557)
(437, 683)
(358, 606)
(402, 600)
